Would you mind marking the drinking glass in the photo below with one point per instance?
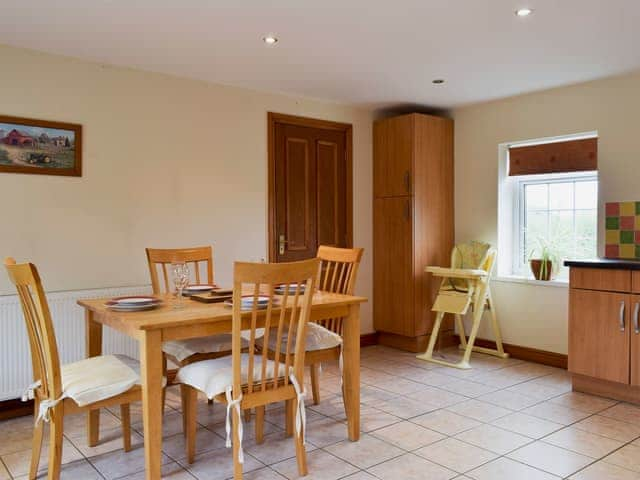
(180, 280)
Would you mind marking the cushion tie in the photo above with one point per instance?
(231, 403)
(30, 391)
(301, 414)
(44, 410)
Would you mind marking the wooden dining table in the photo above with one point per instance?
(151, 328)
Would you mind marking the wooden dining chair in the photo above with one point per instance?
(184, 352)
(57, 390)
(252, 379)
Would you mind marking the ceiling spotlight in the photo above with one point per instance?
(437, 81)
(270, 40)
(524, 12)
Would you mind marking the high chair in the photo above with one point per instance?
(464, 285)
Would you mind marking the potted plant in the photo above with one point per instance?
(544, 259)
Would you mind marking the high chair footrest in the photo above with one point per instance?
(459, 365)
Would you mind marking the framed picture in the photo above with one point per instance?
(40, 147)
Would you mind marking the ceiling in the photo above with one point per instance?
(374, 53)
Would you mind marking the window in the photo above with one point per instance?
(548, 196)
(556, 210)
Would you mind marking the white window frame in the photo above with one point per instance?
(518, 236)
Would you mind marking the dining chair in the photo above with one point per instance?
(252, 379)
(323, 343)
(60, 390)
(184, 352)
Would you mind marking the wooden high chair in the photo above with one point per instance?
(464, 285)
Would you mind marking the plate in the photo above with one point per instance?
(200, 287)
(281, 289)
(247, 303)
(134, 300)
(138, 308)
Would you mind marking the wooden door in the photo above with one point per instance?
(310, 201)
(393, 285)
(393, 156)
(599, 334)
(634, 327)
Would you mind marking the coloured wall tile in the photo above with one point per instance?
(612, 209)
(627, 208)
(628, 251)
(622, 234)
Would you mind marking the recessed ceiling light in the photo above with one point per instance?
(524, 12)
(270, 39)
(437, 81)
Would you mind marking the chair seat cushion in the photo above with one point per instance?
(317, 338)
(183, 349)
(212, 377)
(98, 378)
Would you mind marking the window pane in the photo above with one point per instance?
(561, 236)
(536, 196)
(534, 230)
(586, 194)
(586, 233)
(561, 196)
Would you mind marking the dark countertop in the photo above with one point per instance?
(611, 263)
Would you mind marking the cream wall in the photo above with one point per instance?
(167, 162)
(533, 315)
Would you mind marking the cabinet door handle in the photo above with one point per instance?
(636, 311)
(407, 181)
(621, 316)
(407, 210)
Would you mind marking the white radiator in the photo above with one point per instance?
(68, 320)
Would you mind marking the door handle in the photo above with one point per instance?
(281, 243)
(636, 311)
(407, 210)
(621, 316)
(407, 181)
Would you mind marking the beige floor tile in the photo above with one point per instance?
(555, 413)
(218, 464)
(467, 388)
(169, 471)
(110, 441)
(275, 448)
(18, 462)
(79, 470)
(265, 473)
(360, 476)
(481, 411)
(400, 386)
(365, 453)
(371, 395)
(623, 412)
(509, 400)
(328, 406)
(538, 389)
(456, 455)
(609, 427)
(446, 422)
(76, 425)
(403, 407)
(411, 467)
(175, 445)
(438, 397)
(326, 432)
(586, 443)
(4, 473)
(528, 425)
(433, 378)
(120, 463)
(584, 402)
(372, 419)
(171, 424)
(602, 471)
(494, 439)
(550, 458)
(407, 435)
(627, 457)
(321, 466)
(16, 439)
(507, 469)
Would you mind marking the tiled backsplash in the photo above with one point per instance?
(622, 225)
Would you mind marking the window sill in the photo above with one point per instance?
(558, 283)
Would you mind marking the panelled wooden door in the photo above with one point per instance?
(310, 201)
(393, 157)
(634, 327)
(393, 257)
(599, 340)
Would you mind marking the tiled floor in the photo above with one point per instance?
(505, 419)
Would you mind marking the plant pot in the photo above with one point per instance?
(540, 272)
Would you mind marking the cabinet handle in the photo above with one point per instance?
(636, 311)
(407, 181)
(407, 211)
(621, 316)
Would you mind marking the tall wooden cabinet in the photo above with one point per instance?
(412, 223)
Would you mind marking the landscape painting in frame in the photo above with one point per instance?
(40, 147)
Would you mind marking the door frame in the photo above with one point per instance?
(272, 120)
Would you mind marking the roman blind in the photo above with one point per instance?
(559, 157)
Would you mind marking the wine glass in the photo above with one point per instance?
(180, 280)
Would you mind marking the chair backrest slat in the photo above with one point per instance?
(338, 272)
(284, 317)
(159, 258)
(42, 340)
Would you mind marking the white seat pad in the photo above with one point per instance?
(212, 377)
(98, 378)
(183, 349)
(317, 338)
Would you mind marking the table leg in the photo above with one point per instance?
(351, 370)
(151, 371)
(93, 347)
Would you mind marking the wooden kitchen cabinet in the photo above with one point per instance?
(604, 328)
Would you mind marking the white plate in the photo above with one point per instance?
(199, 288)
(137, 300)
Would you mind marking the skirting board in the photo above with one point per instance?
(552, 359)
(415, 344)
(604, 388)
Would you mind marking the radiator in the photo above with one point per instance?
(68, 321)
